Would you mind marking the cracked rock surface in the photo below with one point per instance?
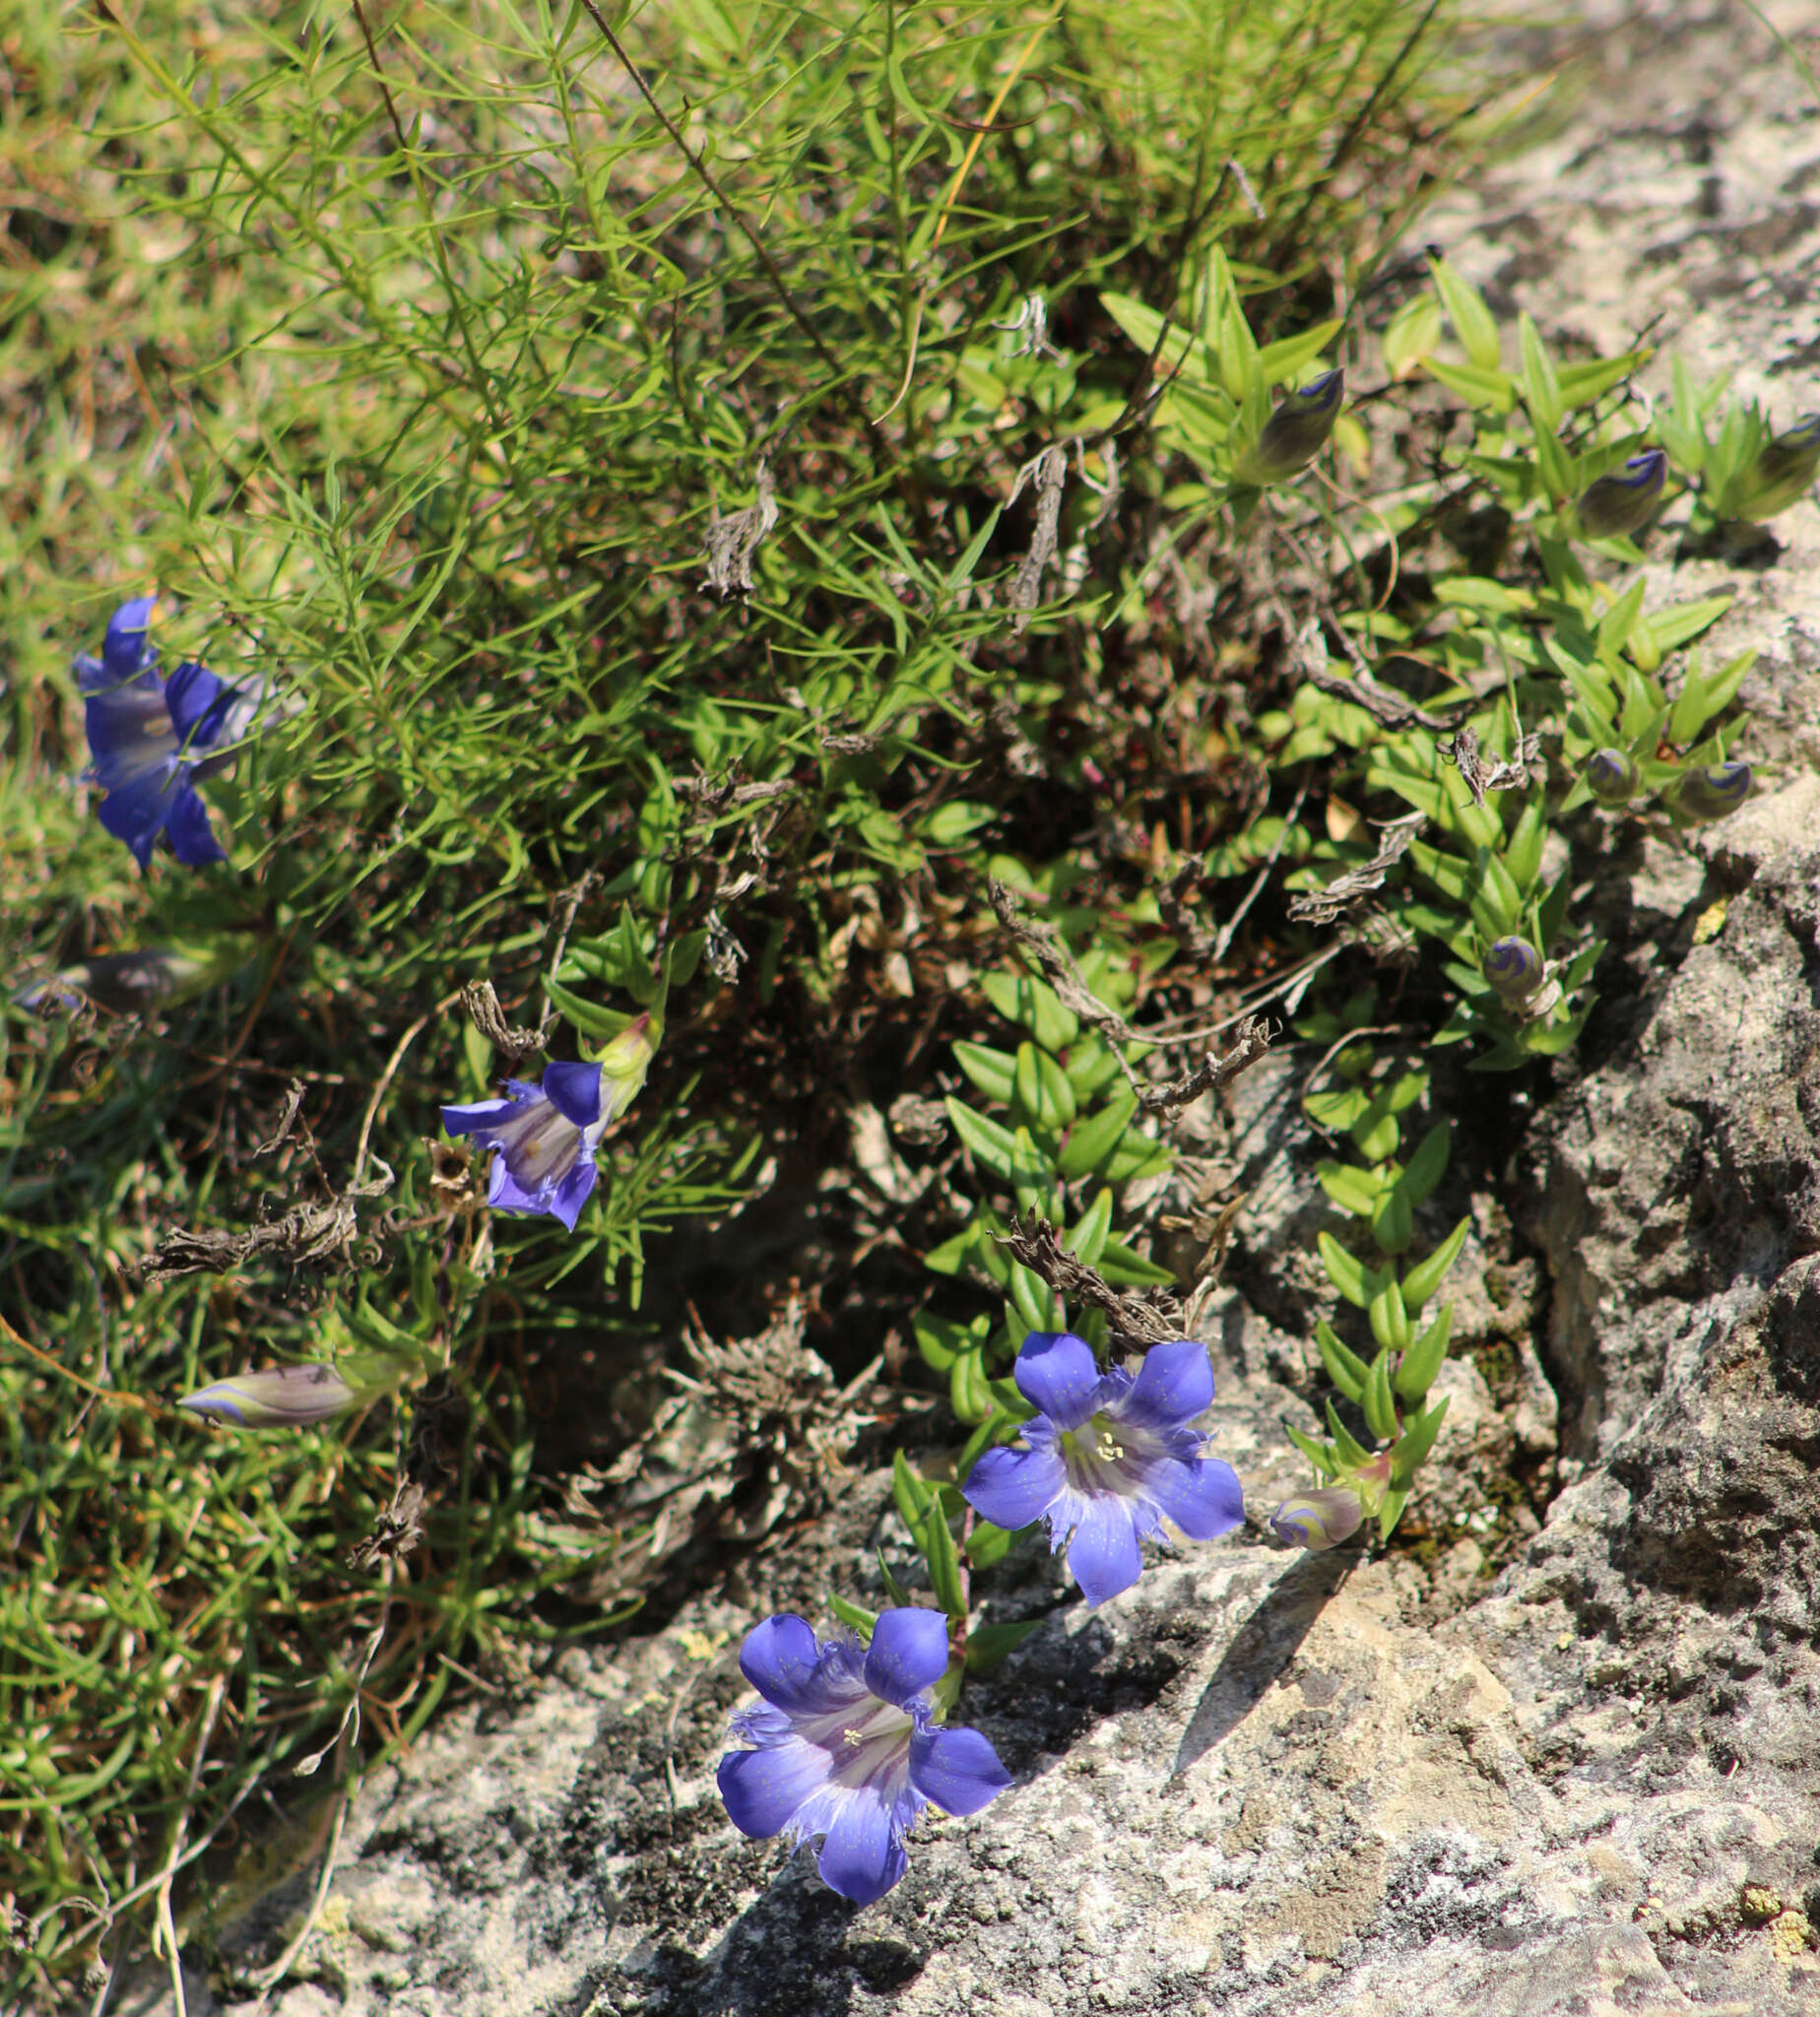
(1267, 1785)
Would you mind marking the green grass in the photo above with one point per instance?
(418, 383)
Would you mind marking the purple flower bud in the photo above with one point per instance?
(1318, 1519)
(1514, 968)
(1710, 791)
(845, 1745)
(1621, 501)
(286, 1397)
(1784, 471)
(1295, 431)
(1611, 776)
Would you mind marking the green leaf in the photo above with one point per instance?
(1353, 1189)
(893, 1588)
(1389, 1316)
(945, 1576)
(1493, 392)
(913, 1495)
(992, 1072)
(591, 1021)
(1685, 621)
(1389, 1512)
(954, 1254)
(1422, 1280)
(1343, 1271)
(1087, 1240)
(1283, 363)
(1411, 333)
(1094, 1140)
(1542, 393)
(855, 1617)
(1580, 385)
(1467, 312)
(1423, 1360)
(1380, 1408)
(1344, 1367)
(1318, 1454)
(988, 1644)
(1352, 1453)
(995, 1148)
(1392, 1223)
(968, 1394)
(987, 1544)
(942, 1343)
(1716, 692)
(1418, 1438)
(1428, 1165)
(1337, 1108)
(1022, 997)
(1125, 1267)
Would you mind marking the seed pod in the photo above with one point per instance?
(1611, 777)
(1295, 431)
(1710, 791)
(1621, 501)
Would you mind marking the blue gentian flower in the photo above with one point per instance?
(1109, 1458)
(146, 733)
(1514, 968)
(1784, 471)
(546, 1134)
(298, 1396)
(845, 1745)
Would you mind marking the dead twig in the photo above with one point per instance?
(1211, 1073)
(1324, 906)
(1048, 472)
(1136, 1321)
(733, 539)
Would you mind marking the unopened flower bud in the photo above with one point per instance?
(1621, 501)
(1514, 968)
(1611, 777)
(298, 1396)
(1784, 471)
(1318, 1519)
(624, 1061)
(1710, 791)
(1295, 431)
(161, 976)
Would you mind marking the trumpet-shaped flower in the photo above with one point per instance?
(147, 733)
(845, 1745)
(1108, 1458)
(546, 1134)
(1619, 502)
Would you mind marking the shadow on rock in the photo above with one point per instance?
(1261, 1648)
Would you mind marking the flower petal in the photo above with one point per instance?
(1202, 1496)
(192, 839)
(862, 1857)
(780, 1658)
(909, 1653)
(1104, 1556)
(569, 1196)
(576, 1090)
(128, 727)
(134, 813)
(504, 1192)
(125, 648)
(475, 1120)
(1174, 1385)
(1013, 1487)
(764, 1789)
(1056, 1374)
(957, 1769)
(197, 703)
